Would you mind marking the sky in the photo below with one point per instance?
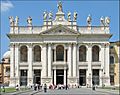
(35, 9)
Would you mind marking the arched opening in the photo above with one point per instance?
(23, 54)
(59, 53)
(37, 53)
(82, 53)
(95, 53)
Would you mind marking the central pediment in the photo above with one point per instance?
(60, 30)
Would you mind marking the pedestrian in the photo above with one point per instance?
(38, 86)
(45, 87)
(17, 88)
(3, 89)
(93, 85)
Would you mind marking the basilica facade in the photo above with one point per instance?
(59, 51)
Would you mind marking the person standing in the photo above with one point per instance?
(45, 87)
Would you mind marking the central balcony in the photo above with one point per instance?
(60, 63)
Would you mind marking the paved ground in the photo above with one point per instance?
(80, 91)
(72, 91)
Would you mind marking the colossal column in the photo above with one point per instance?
(17, 64)
(107, 77)
(89, 70)
(44, 63)
(69, 60)
(30, 73)
(49, 60)
(74, 60)
(12, 64)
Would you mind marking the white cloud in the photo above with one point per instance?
(6, 5)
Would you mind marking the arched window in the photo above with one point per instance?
(111, 60)
(59, 53)
(95, 53)
(23, 54)
(37, 53)
(82, 53)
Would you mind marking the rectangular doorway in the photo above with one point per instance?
(82, 77)
(60, 76)
(37, 77)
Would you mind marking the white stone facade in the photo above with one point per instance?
(64, 34)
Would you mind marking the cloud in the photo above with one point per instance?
(6, 6)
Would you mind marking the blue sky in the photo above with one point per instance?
(35, 9)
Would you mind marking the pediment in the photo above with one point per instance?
(60, 30)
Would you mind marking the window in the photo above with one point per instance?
(111, 60)
(95, 53)
(82, 53)
(59, 53)
(23, 54)
(37, 54)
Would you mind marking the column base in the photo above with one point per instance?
(73, 81)
(46, 80)
(12, 82)
(30, 82)
(106, 81)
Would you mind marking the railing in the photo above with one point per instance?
(83, 63)
(59, 63)
(96, 63)
(38, 29)
(93, 30)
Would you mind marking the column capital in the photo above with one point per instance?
(44, 45)
(69, 44)
(11, 45)
(30, 44)
(75, 43)
(106, 44)
(89, 44)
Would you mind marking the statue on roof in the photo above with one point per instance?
(11, 20)
(75, 16)
(45, 15)
(107, 21)
(50, 15)
(59, 5)
(89, 19)
(102, 20)
(69, 16)
(16, 21)
(29, 20)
